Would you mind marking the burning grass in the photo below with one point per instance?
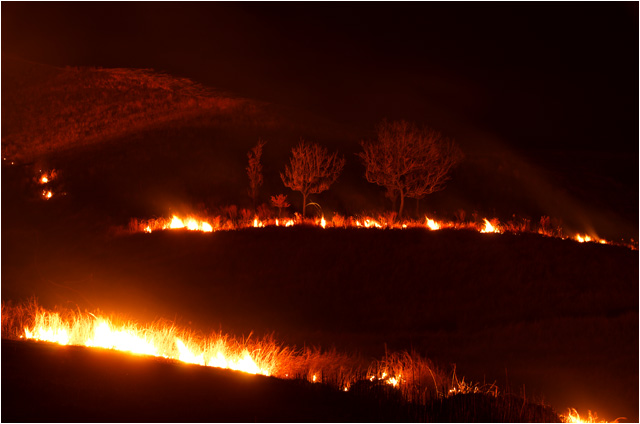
(222, 223)
(429, 393)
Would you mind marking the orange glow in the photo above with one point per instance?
(488, 227)
(47, 177)
(572, 416)
(217, 223)
(258, 357)
(433, 225)
(176, 223)
(97, 331)
(47, 194)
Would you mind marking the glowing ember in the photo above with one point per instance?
(47, 194)
(323, 223)
(47, 177)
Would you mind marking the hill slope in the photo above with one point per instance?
(48, 109)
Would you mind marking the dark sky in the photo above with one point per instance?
(538, 75)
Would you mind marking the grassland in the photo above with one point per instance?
(53, 109)
(550, 316)
(552, 319)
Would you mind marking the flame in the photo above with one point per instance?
(368, 223)
(86, 329)
(488, 227)
(572, 416)
(582, 239)
(47, 194)
(44, 179)
(96, 331)
(176, 223)
(193, 223)
(433, 225)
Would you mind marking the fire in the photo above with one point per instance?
(369, 223)
(217, 223)
(47, 177)
(572, 416)
(176, 223)
(488, 227)
(263, 357)
(47, 194)
(96, 331)
(433, 225)
(582, 239)
(192, 224)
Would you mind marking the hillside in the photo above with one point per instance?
(556, 314)
(48, 109)
(138, 143)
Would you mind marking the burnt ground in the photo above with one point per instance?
(555, 319)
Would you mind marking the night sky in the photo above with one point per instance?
(535, 75)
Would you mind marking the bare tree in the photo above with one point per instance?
(254, 171)
(311, 170)
(280, 202)
(409, 161)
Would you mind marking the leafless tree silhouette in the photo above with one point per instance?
(311, 170)
(409, 161)
(254, 171)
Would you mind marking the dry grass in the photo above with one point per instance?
(405, 376)
(79, 106)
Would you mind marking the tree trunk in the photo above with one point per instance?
(401, 204)
(417, 208)
(304, 205)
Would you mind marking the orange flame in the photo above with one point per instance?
(96, 331)
(488, 227)
(572, 416)
(86, 329)
(431, 224)
(217, 223)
